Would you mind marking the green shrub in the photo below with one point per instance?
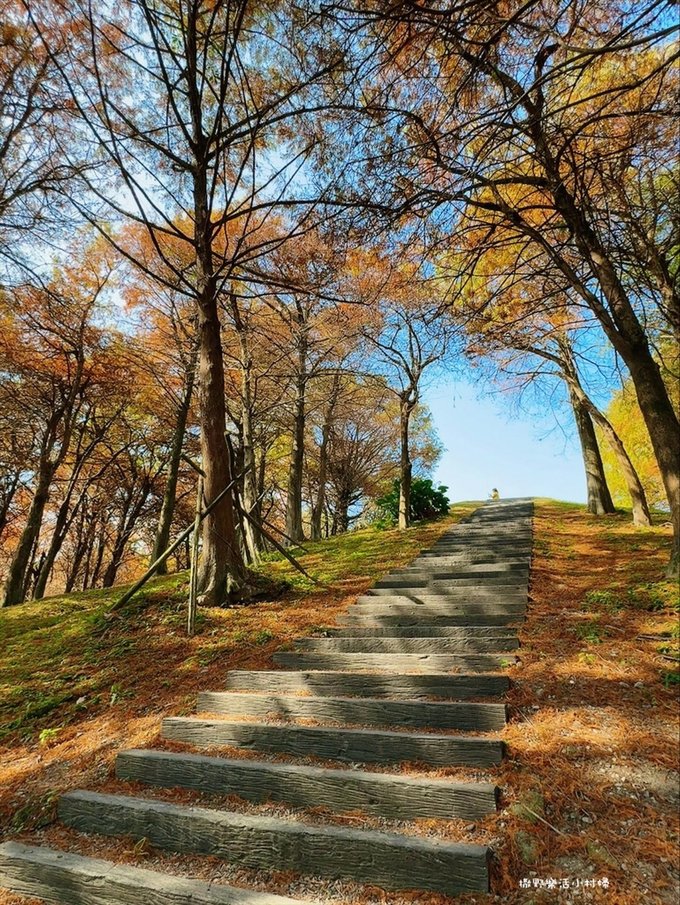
(427, 501)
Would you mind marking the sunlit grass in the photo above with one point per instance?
(62, 654)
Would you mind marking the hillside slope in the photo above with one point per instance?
(590, 788)
(75, 686)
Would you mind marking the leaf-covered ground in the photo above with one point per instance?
(590, 792)
(591, 782)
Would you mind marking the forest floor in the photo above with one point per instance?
(590, 788)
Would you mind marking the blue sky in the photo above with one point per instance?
(491, 444)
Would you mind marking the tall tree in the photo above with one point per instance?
(414, 333)
(51, 348)
(182, 101)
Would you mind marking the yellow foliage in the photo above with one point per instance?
(624, 414)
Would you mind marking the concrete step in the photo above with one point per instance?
(423, 631)
(473, 553)
(452, 568)
(496, 540)
(379, 794)
(455, 561)
(441, 574)
(519, 584)
(395, 662)
(64, 878)
(495, 544)
(489, 532)
(453, 593)
(370, 685)
(356, 711)
(331, 743)
(424, 579)
(413, 645)
(380, 603)
(414, 616)
(387, 860)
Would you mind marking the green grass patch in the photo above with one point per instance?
(63, 655)
(591, 631)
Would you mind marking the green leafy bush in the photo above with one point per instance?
(427, 501)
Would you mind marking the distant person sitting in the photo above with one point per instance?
(495, 495)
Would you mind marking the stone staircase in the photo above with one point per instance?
(413, 676)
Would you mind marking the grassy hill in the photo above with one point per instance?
(64, 657)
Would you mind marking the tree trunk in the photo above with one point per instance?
(162, 540)
(130, 518)
(636, 491)
(250, 496)
(12, 487)
(341, 514)
(78, 553)
(221, 568)
(570, 373)
(15, 588)
(320, 502)
(599, 498)
(405, 464)
(118, 545)
(253, 536)
(99, 559)
(58, 536)
(294, 493)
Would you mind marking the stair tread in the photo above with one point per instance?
(337, 743)
(58, 876)
(390, 860)
(391, 661)
(352, 710)
(382, 794)
(370, 684)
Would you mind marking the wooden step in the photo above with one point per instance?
(356, 711)
(415, 645)
(62, 878)
(387, 860)
(360, 745)
(380, 794)
(370, 685)
(395, 662)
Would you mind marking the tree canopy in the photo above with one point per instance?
(238, 240)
